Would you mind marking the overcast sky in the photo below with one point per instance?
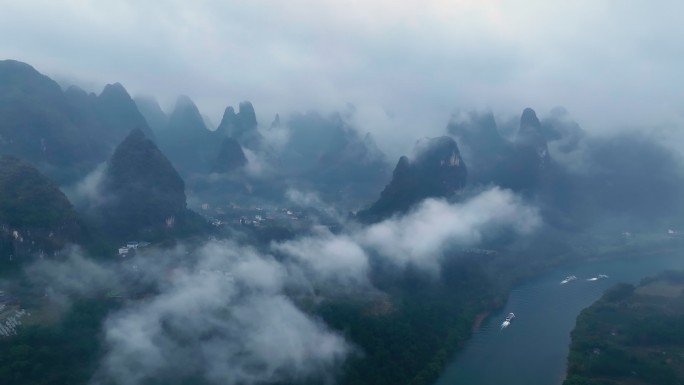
(405, 65)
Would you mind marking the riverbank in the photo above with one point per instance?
(546, 314)
(631, 335)
(477, 322)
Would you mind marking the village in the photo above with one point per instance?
(234, 214)
(10, 315)
(130, 247)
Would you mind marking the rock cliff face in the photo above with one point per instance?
(530, 136)
(36, 218)
(145, 196)
(530, 158)
(437, 170)
(185, 119)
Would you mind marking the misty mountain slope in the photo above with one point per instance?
(108, 117)
(324, 155)
(562, 134)
(149, 107)
(36, 218)
(329, 155)
(436, 170)
(36, 121)
(635, 176)
(517, 164)
(64, 133)
(531, 153)
(119, 114)
(532, 136)
(482, 147)
(242, 126)
(82, 111)
(144, 194)
(578, 180)
(230, 157)
(216, 166)
(625, 178)
(186, 140)
(313, 138)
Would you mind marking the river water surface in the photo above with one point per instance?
(534, 348)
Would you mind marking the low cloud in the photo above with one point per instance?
(257, 166)
(329, 259)
(420, 237)
(226, 313)
(226, 321)
(276, 136)
(311, 199)
(75, 277)
(87, 193)
(217, 313)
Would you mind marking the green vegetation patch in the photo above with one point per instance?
(662, 289)
(631, 335)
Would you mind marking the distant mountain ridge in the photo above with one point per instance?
(64, 133)
(328, 154)
(67, 133)
(577, 180)
(36, 119)
(517, 164)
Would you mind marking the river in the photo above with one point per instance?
(533, 349)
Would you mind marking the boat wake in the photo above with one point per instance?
(567, 279)
(600, 276)
(508, 320)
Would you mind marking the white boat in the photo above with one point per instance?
(600, 276)
(567, 279)
(508, 320)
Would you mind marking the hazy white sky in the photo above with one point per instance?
(405, 65)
